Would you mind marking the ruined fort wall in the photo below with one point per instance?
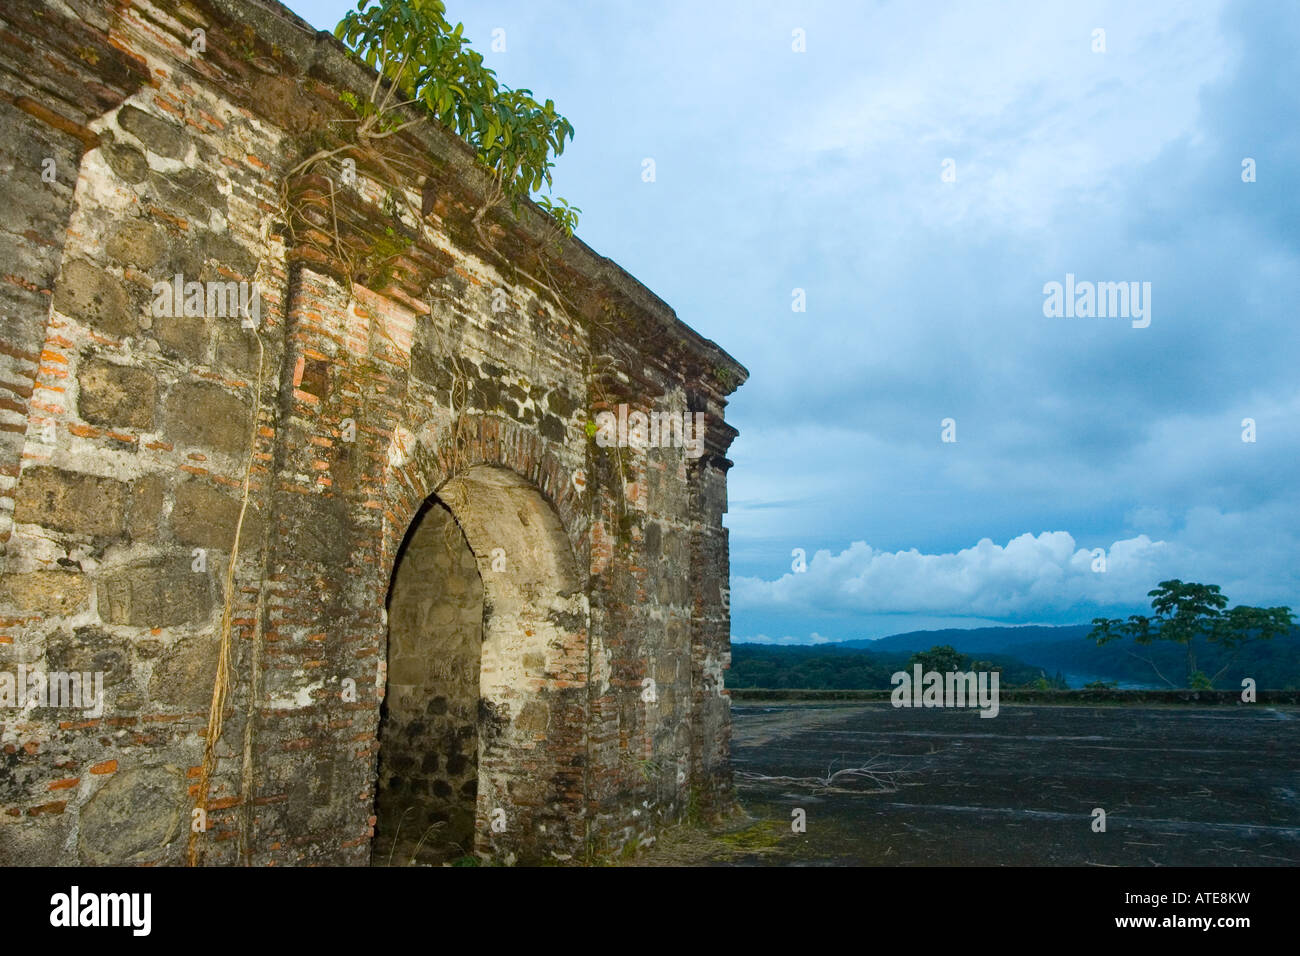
(364, 385)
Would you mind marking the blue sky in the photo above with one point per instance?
(823, 170)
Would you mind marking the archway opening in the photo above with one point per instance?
(482, 735)
(427, 788)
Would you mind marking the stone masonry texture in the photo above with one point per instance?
(456, 623)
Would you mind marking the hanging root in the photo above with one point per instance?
(221, 686)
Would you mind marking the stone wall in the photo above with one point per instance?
(178, 480)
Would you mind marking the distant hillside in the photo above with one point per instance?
(1272, 664)
(975, 640)
(835, 667)
(1025, 653)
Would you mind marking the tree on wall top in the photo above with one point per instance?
(1186, 613)
(428, 64)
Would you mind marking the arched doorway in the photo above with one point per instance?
(427, 789)
(482, 734)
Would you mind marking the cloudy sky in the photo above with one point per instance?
(824, 170)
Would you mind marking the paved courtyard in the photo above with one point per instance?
(1215, 786)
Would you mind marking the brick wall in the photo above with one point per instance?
(138, 444)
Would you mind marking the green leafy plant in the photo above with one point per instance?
(565, 215)
(1186, 613)
(941, 658)
(647, 767)
(428, 63)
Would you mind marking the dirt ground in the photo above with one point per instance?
(1179, 785)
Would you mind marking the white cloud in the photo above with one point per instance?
(1029, 575)
(1049, 576)
(1056, 126)
(813, 638)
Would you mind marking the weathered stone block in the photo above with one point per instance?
(70, 501)
(134, 817)
(185, 674)
(55, 592)
(237, 350)
(118, 395)
(158, 135)
(183, 336)
(206, 517)
(127, 162)
(204, 414)
(220, 249)
(147, 500)
(156, 593)
(38, 841)
(552, 428)
(137, 243)
(99, 298)
(561, 403)
(533, 718)
(191, 190)
(90, 649)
